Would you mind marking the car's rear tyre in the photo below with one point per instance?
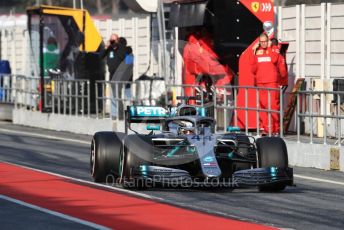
(272, 152)
(137, 151)
(105, 154)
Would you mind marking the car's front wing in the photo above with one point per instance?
(263, 176)
(248, 177)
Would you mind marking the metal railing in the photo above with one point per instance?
(26, 92)
(112, 97)
(69, 97)
(222, 104)
(61, 96)
(226, 109)
(179, 90)
(7, 92)
(229, 104)
(305, 110)
(108, 99)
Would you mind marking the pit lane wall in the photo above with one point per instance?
(327, 157)
(60, 122)
(6, 111)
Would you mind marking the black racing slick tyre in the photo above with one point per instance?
(105, 155)
(137, 151)
(272, 152)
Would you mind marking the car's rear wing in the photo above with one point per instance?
(157, 114)
(145, 114)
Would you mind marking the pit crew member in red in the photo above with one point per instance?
(276, 47)
(268, 69)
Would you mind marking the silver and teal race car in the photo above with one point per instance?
(183, 149)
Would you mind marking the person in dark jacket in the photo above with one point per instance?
(120, 64)
(114, 53)
(124, 71)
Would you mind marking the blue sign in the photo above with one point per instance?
(147, 111)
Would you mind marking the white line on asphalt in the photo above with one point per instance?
(318, 179)
(58, 214)
(45, 136)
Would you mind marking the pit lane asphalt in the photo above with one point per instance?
(309, 205)
(17, 216)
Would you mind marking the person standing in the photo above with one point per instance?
(267, 67)
(276, 47)
(115, 54)
(112, 61)
(124, 71)
(124, 74)
(113, 57)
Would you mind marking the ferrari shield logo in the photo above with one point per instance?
(255, 6)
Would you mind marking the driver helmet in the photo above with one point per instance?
(186, 127)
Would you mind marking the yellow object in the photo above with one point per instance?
(334, 159)
(52, 86)
(255, 6)
(82, 19)
(174, 97)
(48, 87)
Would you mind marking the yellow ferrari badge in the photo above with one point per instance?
(255, 6)
(260, 52)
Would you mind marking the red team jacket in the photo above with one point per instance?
(269, 67)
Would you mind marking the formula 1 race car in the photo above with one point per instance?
(187, 152)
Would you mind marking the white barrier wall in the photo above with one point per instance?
(316, 37)
(14, 42)
(316, 52)
(335, 40)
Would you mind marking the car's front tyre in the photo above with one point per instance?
(272, 152)
(105, 153)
